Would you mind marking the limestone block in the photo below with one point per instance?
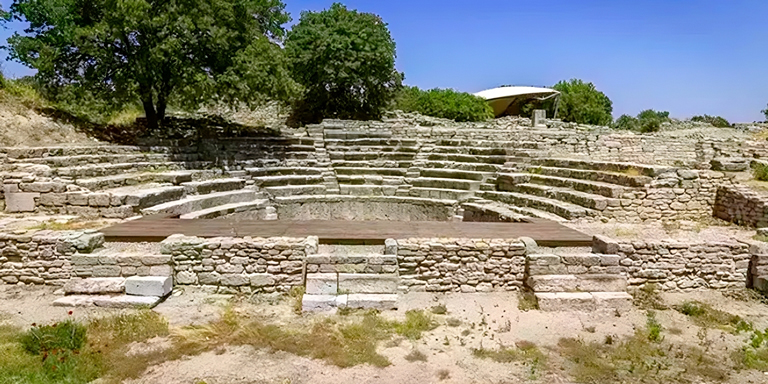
(106, 271)
(262, 280)
(322, 284)
(390, 247)
(368, 283)
(605, 245)
(159, 286)
(95, 285)
(86, 242)
(613, 300)
(20, 201)
(76, 301)
(318, 302)
(186, 278)
(580, 283)
(161, 270)
(234, 280)
(77, 198)
(98, 200)
(565, 301)
(52, 199)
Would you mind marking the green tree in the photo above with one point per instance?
(188, 51)
(765, 112)
(717, 121)
(582, 103)
(445, 103)
(345, 60)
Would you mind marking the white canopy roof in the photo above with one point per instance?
(508, 100)
(502, 92)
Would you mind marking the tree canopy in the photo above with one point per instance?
(445, 103)
(190, 51)
(345, 61)
(582, 103)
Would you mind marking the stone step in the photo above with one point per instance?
(147, 197)
(370, 180)
(461, 158)
(46, 152)
(367, 156)
(322, 284)
(455, 184)
(80, 160)
(623, 179)
(583, 301)
(96, 170)
(369, 171)
(122, 301)
(364, 263)
(584, 199)
(282, 171)
(214, 185)
(441, 194)
(609, 166)
(487, 143)
(474, 212)
(200, 202)
(537, 213)
(455, 174)
(367, 190)
(296, 190)
(506, 181)
(474, 150)
(370, 141)
(462, 166)
(311, 303)
(348, 135)
(95, 286)
(378, 163)
(578, 264)
(158, 286)
(286, 180)
(566, 210)
(577, 283)
(226, 209)
(367, 283)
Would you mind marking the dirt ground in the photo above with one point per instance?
(488, 320)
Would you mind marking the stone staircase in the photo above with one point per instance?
(116, 292)
(340, 278)
(570, 189)
(577, 282)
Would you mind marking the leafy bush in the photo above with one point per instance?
(582, 103)
(646, 121)
(444, 103)
(68, 336)
(765, 112)
(345, 60)
(716, 121)
(760, 171)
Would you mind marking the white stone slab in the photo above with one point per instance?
(322, 284)
(613, 300)
(368, 283)
(565, 301)
(76, 301)
(127, 301)
(318, 303)
(159, 286)
(372, 301)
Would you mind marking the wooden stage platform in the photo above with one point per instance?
(153, 229)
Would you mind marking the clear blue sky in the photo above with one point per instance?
(688, 57)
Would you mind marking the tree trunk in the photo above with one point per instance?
(161, 106)
(149, 112)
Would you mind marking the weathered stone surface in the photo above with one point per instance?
(577, 283)
(566, 301)
(318, 302)
(20, 202)
(76, 301)
(87, 242)
(96, 285)
(613, 300)
(322, 284)
(368, 283)
(158, 286)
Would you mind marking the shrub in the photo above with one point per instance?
(627, 122)
(646, 121)
(707, 317)
(444, 103)
(345, 60)
(765, 112)
(582, 103)
(760, 171)
(67, 335)
(716, 121)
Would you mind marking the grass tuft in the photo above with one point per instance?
(649, 298)
(707, 317)
(439, 309)
(416, 322)
(526, 301)
(416, 355)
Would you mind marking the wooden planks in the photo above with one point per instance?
(153, 229)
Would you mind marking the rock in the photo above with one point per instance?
(20, 202)
(127, 301)
(86, 242)
(322, 284)
(390, 247)
(368, 283)
(372, 301)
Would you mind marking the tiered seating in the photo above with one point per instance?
(290, 181)
(267, 151)
(570, 189)
(370, 166)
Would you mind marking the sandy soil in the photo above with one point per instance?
(488, 320)
(681, 231)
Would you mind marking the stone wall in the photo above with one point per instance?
(239, 264)
(461, 265)
(45, 257)
(680, 266)
(741, 205)
(363, 208)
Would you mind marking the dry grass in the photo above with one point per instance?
(525, 352)
(74, 225)
(637, 359)
(439, 309)
(416, 355)
(707, 317)
(648, 297)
